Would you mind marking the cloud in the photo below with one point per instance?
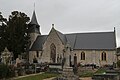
(70, 16)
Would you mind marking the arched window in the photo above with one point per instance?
(82, 55)
(103, 56)
(53, 53)
(37, 53)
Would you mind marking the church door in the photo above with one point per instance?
(53, 53)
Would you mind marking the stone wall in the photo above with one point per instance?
(91, 56)
(52, 38)
(94, 56)
(33, 54)
(33, 37)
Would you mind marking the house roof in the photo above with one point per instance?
(96, 40)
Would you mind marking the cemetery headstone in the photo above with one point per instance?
(6, 57)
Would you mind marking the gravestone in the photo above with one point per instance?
(105, 76)
(75, 64)
(67, 73)
(35, 61)
(6, 57)
(18, 61)
(108, 75)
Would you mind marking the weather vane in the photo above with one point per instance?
(34, 5)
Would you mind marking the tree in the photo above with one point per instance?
(17, 33)
(3, 26)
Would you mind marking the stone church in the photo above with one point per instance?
(97, 48)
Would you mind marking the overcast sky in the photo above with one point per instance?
(70, 16)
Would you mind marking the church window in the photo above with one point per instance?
(82, 55)
(37, 53)
(53, 53)
(103, 56)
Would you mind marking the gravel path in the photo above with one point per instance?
(26, 75)
(49, 78)
(86, 78)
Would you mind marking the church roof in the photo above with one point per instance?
(34, 19)
(71, 38)
(38, 44)
(62, 37)
(96, 40)
(33, 25)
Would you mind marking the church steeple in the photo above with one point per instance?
(33, 29)
(34, 19)
(33, 25)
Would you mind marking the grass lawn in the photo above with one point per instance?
(39, 77)
(90, 73)
(100, 71)
(86, 74)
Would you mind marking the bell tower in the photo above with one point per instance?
(33, 29)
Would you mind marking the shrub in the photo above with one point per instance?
(54, 70)
(118, 63)
(3, 71)
(11, 71)
(6, 71)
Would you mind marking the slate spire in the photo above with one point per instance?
(34, 19)
(33, 25)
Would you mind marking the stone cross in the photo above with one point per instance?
(66, 56)
(6, 56)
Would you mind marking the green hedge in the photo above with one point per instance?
(6, 71)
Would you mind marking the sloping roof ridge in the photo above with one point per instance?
(40, 38)
(58, 31)
(61, 38)
(41, 35)
(97, 32)
(75, 41)
(89, 33)
(34, 42)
